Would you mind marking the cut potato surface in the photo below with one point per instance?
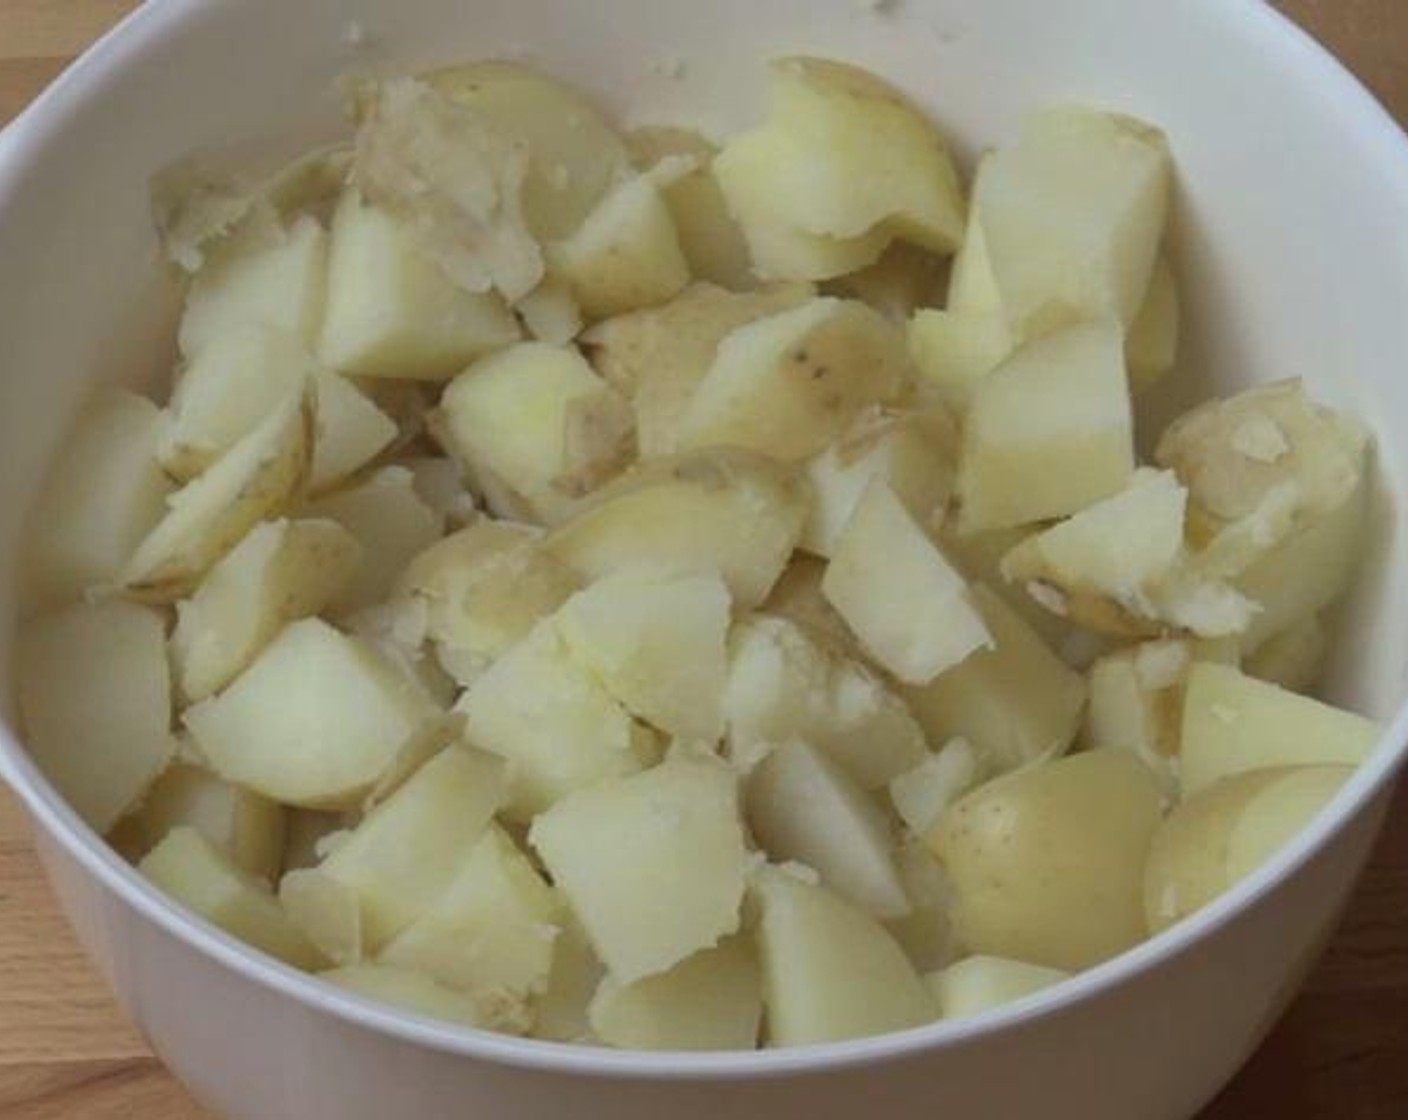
(352, 431)
(419, 994)
(979, 984)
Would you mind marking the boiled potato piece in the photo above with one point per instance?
(259, 276)
(419, 994)
(658, 356)
(1048, 432)
(390, 523)
(255, 479)
(542, 422)
(653, 865)
(926, 932)
(904, 279)
(101, 498)
(282, 571)
(1047, 863)
(713, 243)
(1073, 215)
(313, 722)
(327, 911)
(913, 613)
(789, 384)
(912, 452)
(408, 850)
(550, 313)
(1294, 658)
(657, 642)
(1233, 723)
(493, 928)
(710, 1001)
(803, 808)
(830, 971)
(440, 483)
(723, 511)
(245, 826)
(1151, 347)
(306, 833)
(923, 795)
(979, 557)
(562, 1012)
(203, 879)
(797, 597)
(954, 350)
(352, 431)
(554, 721)
(977, 984)
(783, 685)
(391, 311)
(1225, 831)
(226, 389)
(94, 697)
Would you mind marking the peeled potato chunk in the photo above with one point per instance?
(102, 497)
(977, 984)
(1294, 658)
(797, 598)
(94, 697)
(904, 279)
(352, 431)
(203, 879)
(830, 971)
(1151, 346)
(562, 1012)
(710, 1001)
(788, 385)
(1233, 723)
(421, 995)
(954, 350)
(313, 722)
(1047, 863)
(1225, 831)
(653, 865)
(922, 796)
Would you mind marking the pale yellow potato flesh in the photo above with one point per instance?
(977, 984)
(352, 431)
(420, 995)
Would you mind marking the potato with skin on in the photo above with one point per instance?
(100, 499)
(1225, 831)
(203, 879)
(94, 697)
(710, 1001)
(419, 994)
(540, 420)
(653, 864)
(1047, 863)
(912, 611)
(314, 722)
(977, 984)
(351, 432)
(1233, 723)
(830, 971)
(723, 511)
(257, 478)
(789, 384)
(282, 571)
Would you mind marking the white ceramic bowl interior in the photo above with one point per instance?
(1292, 247)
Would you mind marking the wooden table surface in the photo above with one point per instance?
(66, 1052)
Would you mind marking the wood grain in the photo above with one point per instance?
(66, 1053)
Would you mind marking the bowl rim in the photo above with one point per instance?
(22, 145)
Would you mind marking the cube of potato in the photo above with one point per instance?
(923, 795)
(492, 929)
(94, 696)
(101, 498)
(789, 384)
(782, 685)
(626, 254)
(977, 984)
(1151, 346)
(1018, 701)
(408, 850)
(1225, 831)
(803, 808)
(259, 276)
(390, 522)
(1233, 723)
(904, 279)
(352, 431)
(245, 826)
(327, 911)
(313, 722)
(710, 1001)
(659, 355)
(723, 511)
(653, 864)
(954, 350)
(282, 571)
(554, 722)
(1049, 432)
(392, 312)
(830, 971)
(797, 598)
(1047, 863)
(255, 479)
(1294, 658)
(712, 241)
(562, 1012)
(911, 452)
(541, 421)
(419, 994)
(226, 389)
(894, 587)
(204, 880)
(657, 642)
(1073, 215)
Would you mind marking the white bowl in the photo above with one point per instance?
(1293, 245)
